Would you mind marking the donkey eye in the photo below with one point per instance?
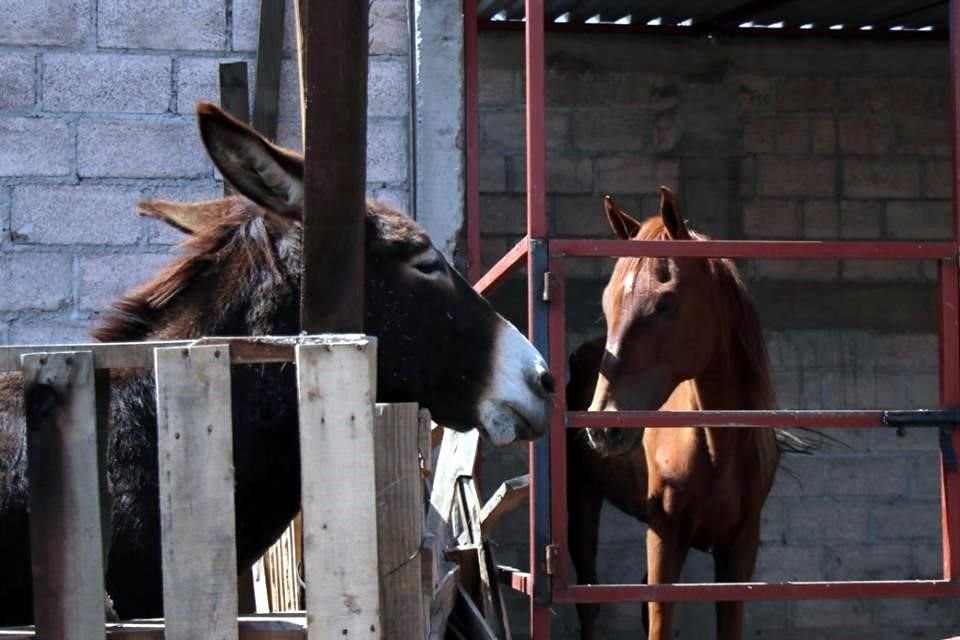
(429, 267)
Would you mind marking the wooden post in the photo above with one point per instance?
(266, 95)
(399, 519)
(336, 383)
(333, 54)
(65, 527)
(197, 514)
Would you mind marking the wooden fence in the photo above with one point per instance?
(363, 516)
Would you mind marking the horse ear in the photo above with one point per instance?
(622, 223)
(186, 217)
(260, 170)
(672, 220)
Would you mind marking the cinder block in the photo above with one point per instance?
(505, 131)
(832, 613)
(906, 519)
(613, 129)
(104, 279)
(75, 214)
(829, 521)
(774, 525)
(35, 147)
(821, 219)
(800, 476)
(924, 474)
(755, 92)
(874, 475)
(912, 441)
(199, 79)
(879, 561)
(760, 135)
(387, 151)
(388, 27)
(769, 218)
(147, 24)
(17, 81)
(387, 87)
(793, 135)
(578, 216)
(865, 136)
(499, 87)
(938, 612)
(587, 87)
(880, 178)
(395, 197)
(35, 281)
(929, 560)
(625, 174)
(936, 181)
(925, 135)
(493, 173)
(787, 269)
(805, 94)
(106, 82)
(807, 177)
(860, 219)
(246, 26)
(779, 563)
(880, 270)
(893, 391)
(565, 173)
(502, 214)
(919, 219)
(141, 149)
(824, 135)
(49, 329)
(54, 22)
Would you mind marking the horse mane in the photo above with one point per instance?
(239, 232)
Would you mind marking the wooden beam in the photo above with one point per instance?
(234, 96)
(336, 387)
(399, 519)
(275, 627)
(334, 47)
(266, 96)
(198, 518)
(66, 547)
(510, 495)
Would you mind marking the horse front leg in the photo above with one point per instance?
(583, 525)
(665, 556)
(735, 564)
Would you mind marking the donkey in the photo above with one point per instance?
(440, 344)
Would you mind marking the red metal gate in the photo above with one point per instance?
(545, 259)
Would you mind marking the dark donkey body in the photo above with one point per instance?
(440, 344)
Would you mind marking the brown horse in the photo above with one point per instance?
(681, 335)
(440, 344)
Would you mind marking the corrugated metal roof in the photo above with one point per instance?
(726, 15)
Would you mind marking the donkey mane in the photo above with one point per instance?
(239, 233)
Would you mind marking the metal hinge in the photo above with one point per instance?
(549, 282)
(550, 558)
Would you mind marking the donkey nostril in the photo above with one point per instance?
(546, 381)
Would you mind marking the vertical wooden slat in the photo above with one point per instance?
(399, 519)
(65, 527)
(266, 96)
(334, 56)
(234, 90)
(337, 387)
(197, 515)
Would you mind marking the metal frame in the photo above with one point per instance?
(546, 258)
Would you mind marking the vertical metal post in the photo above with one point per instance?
(950, 329)
(558, 434)
(537, 307)
(471, 81)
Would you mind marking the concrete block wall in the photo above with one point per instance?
(760, 139)
(96, 112)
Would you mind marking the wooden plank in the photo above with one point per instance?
(426, 446)
(103, 392)
(471, 508)
(334, 47)
(64, 498)
(444, 599)
(509, 496)
(234, 90)
(399, 519)
(251, 628)
(197, 515)
(500, 606)
(266, 96)
(337, 388)
(476, 627)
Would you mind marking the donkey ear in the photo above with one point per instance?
(672, 220)
(622, 223)
(186, 217)
(267, 174)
